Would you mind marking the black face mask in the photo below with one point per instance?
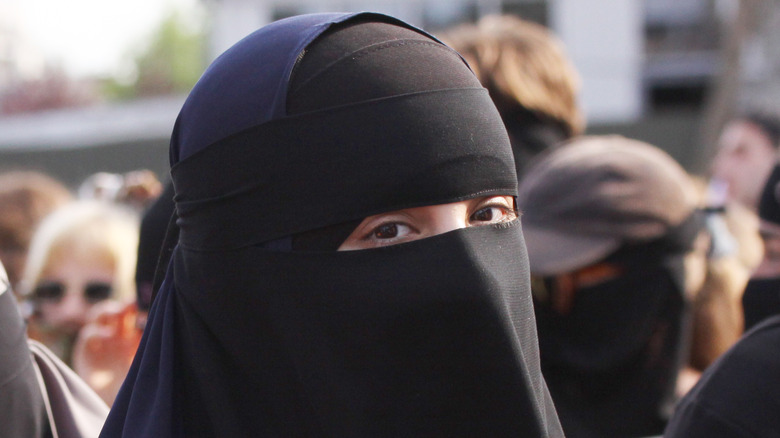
(611, 362)
(761, 300)
(430, 338)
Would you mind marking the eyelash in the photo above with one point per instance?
(510, 213)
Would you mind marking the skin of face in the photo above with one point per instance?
(416, 223)
(744, 160)
(70, 313)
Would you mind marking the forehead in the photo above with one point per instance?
(73, 269)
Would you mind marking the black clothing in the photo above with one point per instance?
(434, 337)
(531, 134)
(737, 396)
(611, 363)
(761, 300)
(150, 244)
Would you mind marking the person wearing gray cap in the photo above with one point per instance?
(611, 224)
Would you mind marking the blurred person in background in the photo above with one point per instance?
(529, 77)
(735, 250)
(108, 341)
(747, 152)
(26, 197)
(762, 294)
(82, 256)
(616, 249)
(137, 188)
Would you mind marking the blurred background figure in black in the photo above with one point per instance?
(617, 249)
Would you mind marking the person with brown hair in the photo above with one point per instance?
(529, 77)
(26, 197)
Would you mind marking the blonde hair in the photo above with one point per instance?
(86, 230)
(521, 63)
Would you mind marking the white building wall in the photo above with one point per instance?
(603, 37)
(605, 41)
(235, 19)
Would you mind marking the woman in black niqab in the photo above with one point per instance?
(261, 328)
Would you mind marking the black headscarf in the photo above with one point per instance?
(309, 123)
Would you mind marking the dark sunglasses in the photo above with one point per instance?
(55, 291)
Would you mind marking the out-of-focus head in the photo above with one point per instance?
(524, 66)
(81, 254)
(747, 151)
(25, 198)
(587, 199)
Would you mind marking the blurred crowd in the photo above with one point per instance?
(644, 277)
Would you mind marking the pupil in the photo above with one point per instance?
(386, 231)
(486, 214)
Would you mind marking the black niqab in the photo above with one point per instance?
(430, 338)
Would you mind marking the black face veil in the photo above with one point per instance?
(309, 123)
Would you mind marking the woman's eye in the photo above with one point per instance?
(390, 230)
(485, 214)
(493, 214)
(386, 231)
